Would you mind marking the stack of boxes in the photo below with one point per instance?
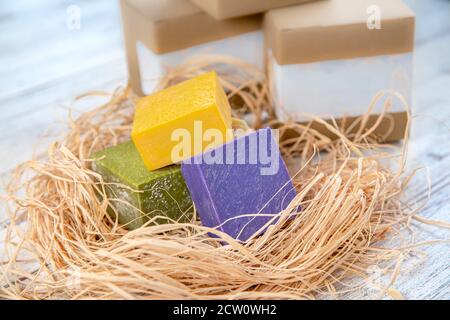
(328, 58)
(163, 33)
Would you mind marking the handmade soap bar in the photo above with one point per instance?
(169, 125)
(163, 33)
(138, 194)
(246, 176)
(330, 58)
(226, 9)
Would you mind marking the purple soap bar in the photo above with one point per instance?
(246, 176)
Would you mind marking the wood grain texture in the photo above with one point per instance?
(44, 65)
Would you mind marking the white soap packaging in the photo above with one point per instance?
(331, 58)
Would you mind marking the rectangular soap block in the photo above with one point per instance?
(163, 33)
(226, 9)
(331, 58)
(246, 176)
(138, 194)
(168, 126)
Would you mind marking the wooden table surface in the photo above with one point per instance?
(44, 65)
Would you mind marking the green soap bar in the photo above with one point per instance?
(155, 193)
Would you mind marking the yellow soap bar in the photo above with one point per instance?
(182, 121)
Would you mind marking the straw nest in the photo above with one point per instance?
(61, 243)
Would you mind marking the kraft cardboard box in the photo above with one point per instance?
(226, 9)
(330, 58)
(163, 33)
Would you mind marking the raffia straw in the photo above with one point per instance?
(350, 199)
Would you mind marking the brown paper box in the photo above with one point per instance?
(226, 9)
(333, 30)
(337, 29)
(391, 128)
(169, 25)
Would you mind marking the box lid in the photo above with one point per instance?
(169, 25)
(162, 10)
(226, 9)
(339, 29)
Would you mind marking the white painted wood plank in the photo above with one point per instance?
(45, 50)
(21, 133)
(432, 18)
(431, 61)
